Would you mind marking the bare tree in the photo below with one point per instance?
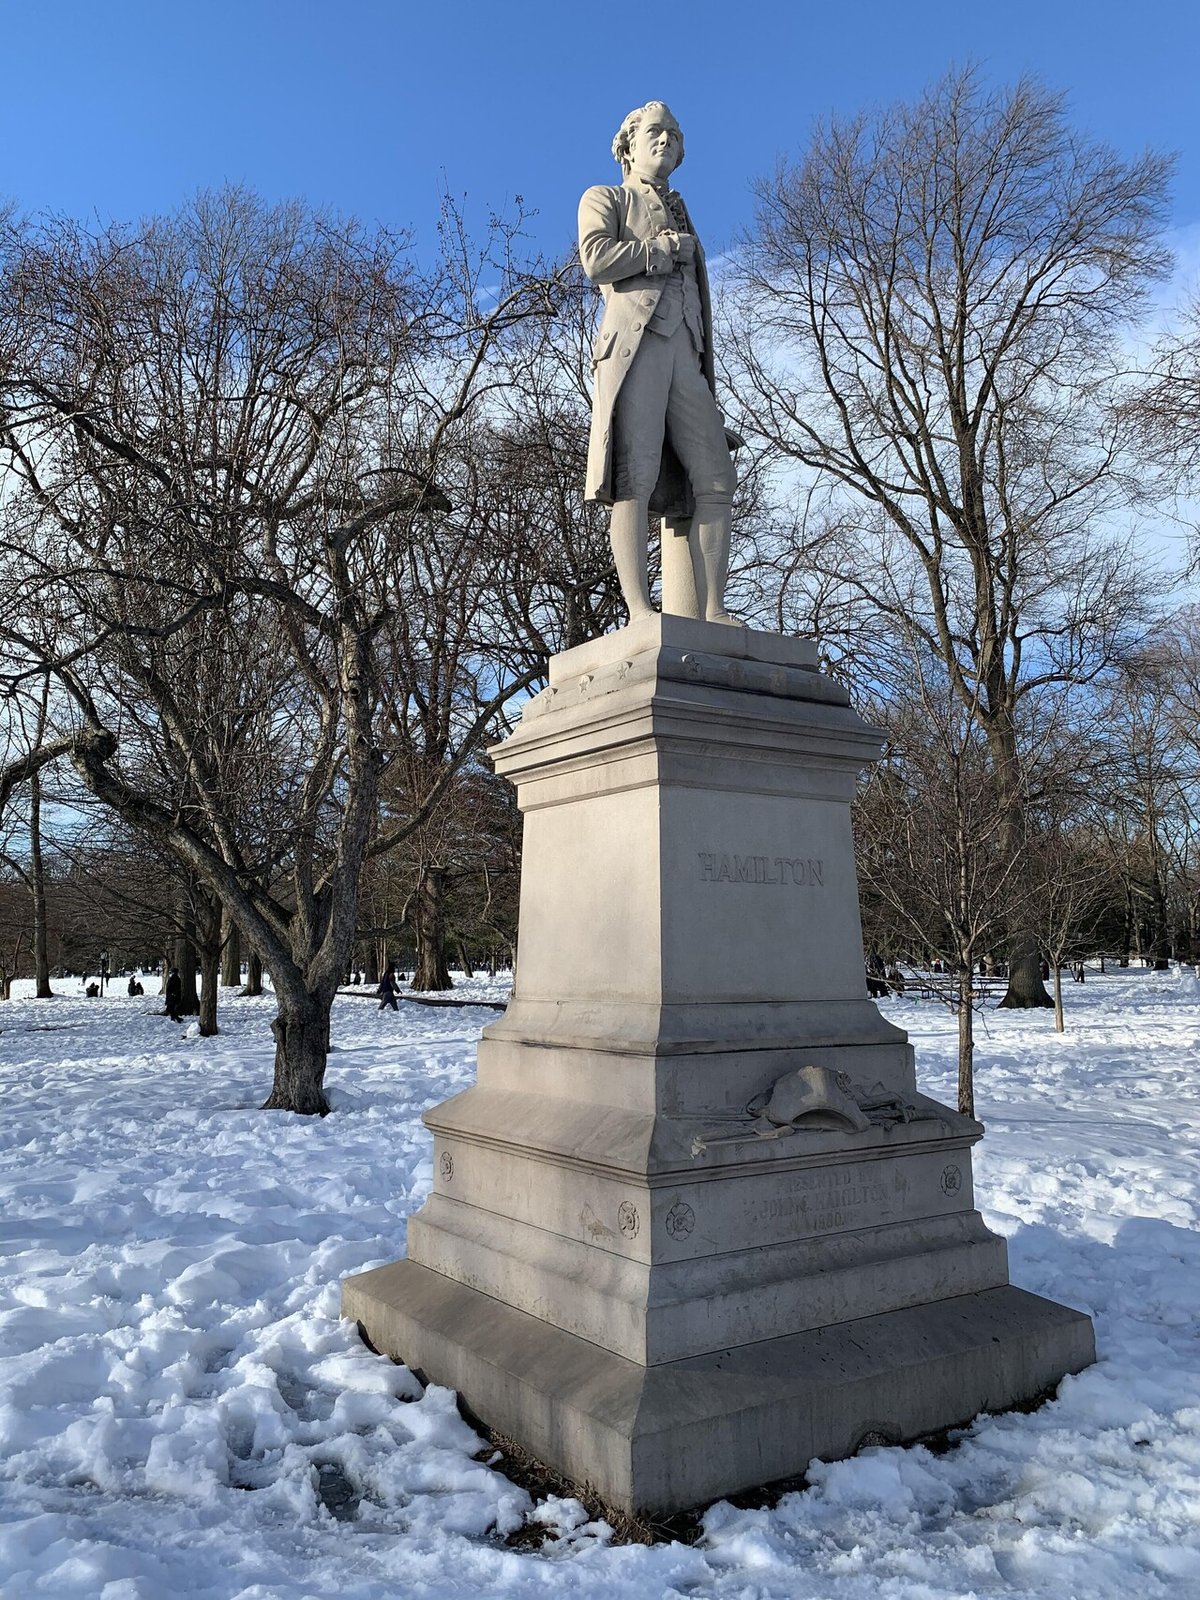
(522, 569)
(1165, 404)
(218, 422)
(1069, 893)
(929, 841)
(1178, 643)
(927, 336)
(1149, 791)
(28, 752)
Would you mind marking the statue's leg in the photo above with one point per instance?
(697, 432)
(639, 421)
(682, 573)
(627, 532)
(711, 528)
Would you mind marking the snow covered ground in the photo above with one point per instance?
(183, 1414)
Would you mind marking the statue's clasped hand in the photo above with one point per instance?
(682, 245)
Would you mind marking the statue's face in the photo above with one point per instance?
(656, 147)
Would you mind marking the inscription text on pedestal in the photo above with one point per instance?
(825, 1199)
(716, 867)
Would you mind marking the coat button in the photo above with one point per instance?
(637, 327)
(625, 352)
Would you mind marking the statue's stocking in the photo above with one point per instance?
(628, 534)
(710, 530)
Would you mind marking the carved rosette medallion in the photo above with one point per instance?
(680, 1220)
(951, 1180)
(627, 1219)
(446, 1165)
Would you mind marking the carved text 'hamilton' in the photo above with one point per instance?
(717, 868)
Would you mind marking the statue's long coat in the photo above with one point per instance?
(618, 229)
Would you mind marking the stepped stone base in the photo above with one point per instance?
(695, 1224)
(664, 1438)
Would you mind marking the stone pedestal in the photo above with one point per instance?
(694, 1224)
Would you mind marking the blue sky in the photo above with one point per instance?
(116, 108)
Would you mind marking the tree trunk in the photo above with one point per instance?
(966, 1043)
(301, 1049)
(1025, 987)
(1160, 943)
(210, 925)
(253, 974)
(1126, 929)
(41, 959)
(1058, 999)
(464, 960)
(429, 928)
(188, 963)
(210, 966)
(231, 954)
(371, 973)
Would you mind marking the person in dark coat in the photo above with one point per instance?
(174, 995)
(387, 992)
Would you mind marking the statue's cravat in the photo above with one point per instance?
(672, 204)
(675, 210)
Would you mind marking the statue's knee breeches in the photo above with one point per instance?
(665, 397)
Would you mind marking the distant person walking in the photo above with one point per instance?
(174, 995)
(387, 991)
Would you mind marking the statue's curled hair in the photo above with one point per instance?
(631, 124)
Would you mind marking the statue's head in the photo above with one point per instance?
(649, 142)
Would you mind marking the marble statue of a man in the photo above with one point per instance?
(658, 441)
